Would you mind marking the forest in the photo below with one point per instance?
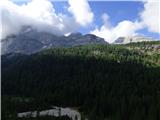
(104, 82)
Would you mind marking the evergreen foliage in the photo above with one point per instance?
(118, 82)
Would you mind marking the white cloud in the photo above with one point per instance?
(150, 16)
(110, 33)
(41, 15)
(105, 18)
(81, 11)
(126, 28)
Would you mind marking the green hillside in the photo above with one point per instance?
(113, 82)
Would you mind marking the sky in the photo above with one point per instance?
(106, 19)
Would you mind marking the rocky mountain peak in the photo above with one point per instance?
(29, 40)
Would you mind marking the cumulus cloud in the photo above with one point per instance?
(81, 11)
(111, 33)
(150, 16)
(41, 15)
(105, 18)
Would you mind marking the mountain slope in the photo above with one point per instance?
(30, 41)
(118, 82)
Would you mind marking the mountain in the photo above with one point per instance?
(30, 41)
(129, 39)
(101, 81)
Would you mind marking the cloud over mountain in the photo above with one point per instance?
(111, 33)
(149, 18)
(41, 15)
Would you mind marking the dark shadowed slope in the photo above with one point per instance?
(119, 82)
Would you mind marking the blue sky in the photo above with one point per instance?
(117, 10)
(106, 19)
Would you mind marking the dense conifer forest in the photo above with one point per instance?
(104, 82)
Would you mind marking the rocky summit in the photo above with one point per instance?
(29, 41)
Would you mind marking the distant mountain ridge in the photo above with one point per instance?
(131, 39)
(30, 41)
